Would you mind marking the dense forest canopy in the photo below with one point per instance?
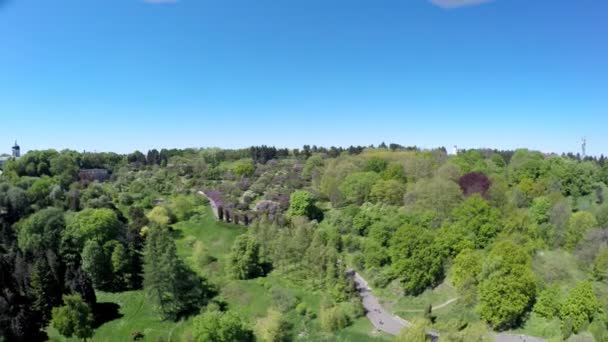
(520, 235)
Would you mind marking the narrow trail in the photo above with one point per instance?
(440, 306)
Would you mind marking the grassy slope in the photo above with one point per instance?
(249, 298)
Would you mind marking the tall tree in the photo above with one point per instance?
(170, 285)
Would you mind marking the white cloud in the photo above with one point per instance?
(447, 4)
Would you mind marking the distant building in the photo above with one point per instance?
(91, 175)
(16, 150)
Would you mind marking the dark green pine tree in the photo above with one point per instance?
(44, 289)
(171, 286)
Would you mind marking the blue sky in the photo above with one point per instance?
(129, 74)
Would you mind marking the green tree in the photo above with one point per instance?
(415, 261)
(244, 169)
(160, 215)
(74, 318)
(45, 289)
(169, 284)
(96, 262)
(301, 203)
(416, 332)
(578, 310)
(507, 285)
(333, 319)
(435, 194)
(467, 265)
(540, 209)
(99, 224)
(244, 260)
(357, 186)
(394, 171)
(273, 328)
(217, 326)
(600, 265)
(548, 302)
(580, 222)
(41, 231)
(476, 221)
(388, 191)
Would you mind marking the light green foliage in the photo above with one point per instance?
(415, 261)
(436, 194)
(580, 222)
(578, 310)
(548, 302)
(375, 164)
(160, 215)
(273, 328)
(465, 269)
(507, 286)
(333, 319)
(357, 186)
(477, 220)
(301, 203)
(527, 164)
(74, 318)
(182, 206)
(540, 209)
(40, 190)
(99, 224)
(41, 231)
(469, 161)
(600, 265)
(416, 332)
(217, 326)
(244, 261)
(388, 191)
(244, 169)
(394, 171)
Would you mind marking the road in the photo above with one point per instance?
(391, 324)
(381, 319)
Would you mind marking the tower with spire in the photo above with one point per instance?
(584, 148)
(16, 150)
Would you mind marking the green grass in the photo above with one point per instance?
(137, 315)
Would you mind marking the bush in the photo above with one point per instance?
(302, 309)
(334, 319)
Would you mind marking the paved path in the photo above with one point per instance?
(381, 319)
(212, 203)
(516, 338)
(391, 324)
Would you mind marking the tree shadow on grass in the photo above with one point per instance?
(105, 312)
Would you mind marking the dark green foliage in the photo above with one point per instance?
(45, 289)
(41, 231)
(173, 288)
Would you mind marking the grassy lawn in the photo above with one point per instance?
(137, 315)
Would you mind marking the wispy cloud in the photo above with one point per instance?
(159, 1)
(448, 4)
